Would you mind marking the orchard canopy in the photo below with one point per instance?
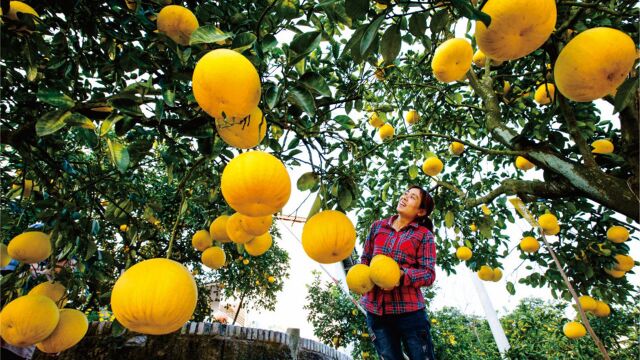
(110, 146)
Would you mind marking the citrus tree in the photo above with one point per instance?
(110, 146)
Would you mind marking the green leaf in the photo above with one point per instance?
(51, 122)
(448, 219)
(370, 34)
(208, 34)
(356, 9)
(243, 41)
(307, 181)
(314, 81)
(467, 10)
(119, 155)
(271, 95)
(390, 44)
(80, 120)
(413, 171)
(345, 198)
(303, 98)
(107, 123)
(345, 122)
(625, 93)
(56, 98)
(303, 44)
(438, 21)
(315, 208)
(418, 24)
(511, 288)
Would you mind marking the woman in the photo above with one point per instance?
(397, 317)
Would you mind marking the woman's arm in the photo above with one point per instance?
(424, 274)
(367, 252)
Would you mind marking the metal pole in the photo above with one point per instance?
(492, 317)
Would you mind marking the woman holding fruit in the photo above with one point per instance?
(404, 249)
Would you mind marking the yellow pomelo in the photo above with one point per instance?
(271, 279)
(235, 231)
(548, 221)
(358, 279)
(16, 7)
(375, 120)
(587, 303)
(485, 209)
(594, 63)
(615, 273)
(412, 117)
(524, 164)
(259, 245)
(473, 227)
(177, 22)
(156, 297)
(256, 225)
(432, 166)
(602, 309)
(553, 231)
(624, 262)
(480, 59)
(617, 234)
(256, 183)
(518, 27)
(386, 131)
(244, 133)
(72, 327)
(529, 244)
(214, 257)
(545, 94)
(456, 148)
(218, 229)
(30, 247)
(497, 275)
(5, 259)
(485, 273)
(124, 227)
(328, 237)
(201, 240)
(226, 84)
(464, 253)
(602, 146)
(574, 330)
(28, 320)
(53, 290)
(452, 60)
(385, 272)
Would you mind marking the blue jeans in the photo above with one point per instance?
(393, 331)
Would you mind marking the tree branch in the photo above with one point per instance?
(570, 119)
(548, 190)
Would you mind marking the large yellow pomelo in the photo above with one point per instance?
(594, 64)
(617, 234)
(486, 273)
(432, 166)
(545, 94)
(548, 221)
(72, 327)
(5, 259)
(28, 320)
(201, 240)
(497, 275)
(529, 244)
(214, 257)
(235, 232)
(602, 309)
(244, 133)
(602, 146)
(451, 60)
(464, 253)
(587, 303)
(615, 273)
(358, 279)
(328, 237)
(518, 27)
(375, 120)
(218, 229)
(225, 82)
(259, 245)
(18, 6)
(412, 117)
(456, 148)
(574, 330)
(385, 272)
(53, 290)
(30, 247)
(256, 225)
(624, 262)
(386, 131)
(524, 164)
(256, 183)
(156, 296)
(177, 22)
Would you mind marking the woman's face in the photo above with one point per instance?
(409, 204)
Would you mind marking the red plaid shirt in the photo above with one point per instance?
(414, 249)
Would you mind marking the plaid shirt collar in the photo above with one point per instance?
(389, 222)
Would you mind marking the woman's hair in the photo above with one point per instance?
(426, 203)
